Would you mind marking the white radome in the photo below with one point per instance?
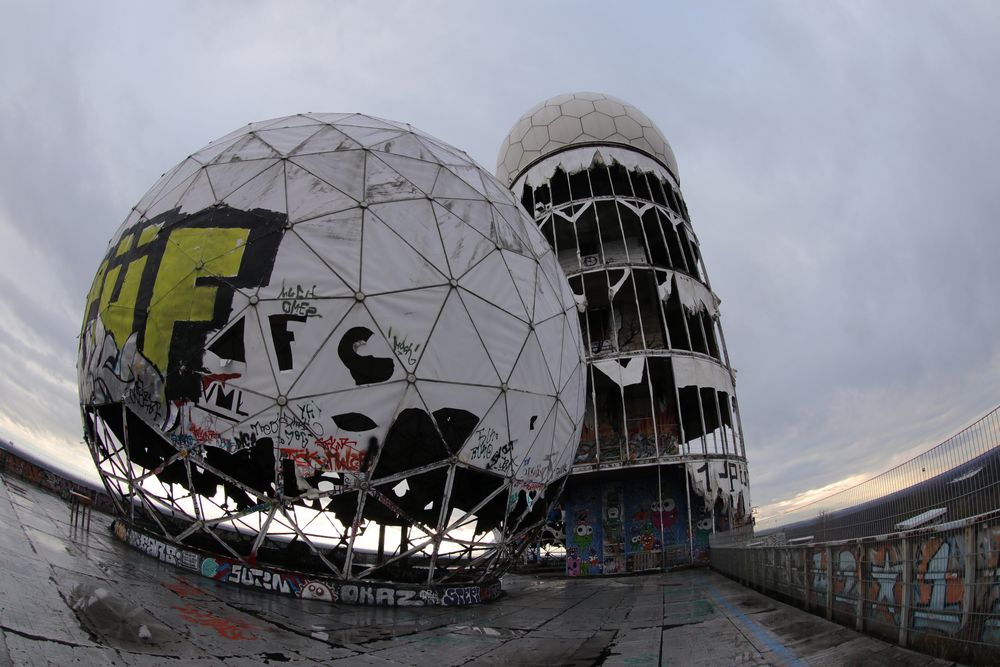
(572, 119)
(326, 283)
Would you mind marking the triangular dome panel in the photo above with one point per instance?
(406, 320)
(266, 191)
(226, 178)
(310, 197)
(491, 280)
(389, 264)
(464, 245)
(344, 170)
(454, 352)
(531, 372)
(420, 173)
(336, 240)
(416, 225)
(502, 333)
(327, 140)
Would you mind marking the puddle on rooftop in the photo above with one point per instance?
(118, 622)
(485, 631)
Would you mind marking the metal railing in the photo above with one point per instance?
(935, 589)
(911, 555)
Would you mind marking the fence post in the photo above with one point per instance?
(806, 579)
(859, 609)
(969, 595)
(829, 583)
(904, 614)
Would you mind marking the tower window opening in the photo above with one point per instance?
(619, 181)
(599, 323)
(686, 243)
(639, 185)
(560, 188)
(579, 185)
(600, 181)
(676, 321)
(656, 188)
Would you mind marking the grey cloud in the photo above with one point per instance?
(838, 160)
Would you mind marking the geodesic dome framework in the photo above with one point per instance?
(333, 343)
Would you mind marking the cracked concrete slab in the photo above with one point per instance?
(85, 598)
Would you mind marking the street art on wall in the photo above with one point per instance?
(724, 479)
(49, 480)
(381, 594)
(313, 310)
(939, 586)
(884, 595)
(614, 527)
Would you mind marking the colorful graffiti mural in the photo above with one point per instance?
(306, 587)
(613, 527)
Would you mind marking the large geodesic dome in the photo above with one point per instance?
(333, 343)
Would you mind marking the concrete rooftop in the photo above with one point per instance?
(87, 599)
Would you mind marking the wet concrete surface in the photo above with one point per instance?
(84, 598)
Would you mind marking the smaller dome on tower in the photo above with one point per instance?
(567, 120)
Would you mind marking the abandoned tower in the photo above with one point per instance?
(661, 462)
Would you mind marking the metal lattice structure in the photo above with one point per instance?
(603, 186)
(333, 343)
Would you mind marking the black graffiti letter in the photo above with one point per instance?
(282, 338)
(364, 369)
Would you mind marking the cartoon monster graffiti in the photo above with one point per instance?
(664, 513)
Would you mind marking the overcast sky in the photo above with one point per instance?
(839, 159)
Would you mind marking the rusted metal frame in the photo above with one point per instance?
(113, 451)
(617, 198)
(112, 462)
(354, 527)
(589, 345)
(442, 518)
(302, 536)
(654, 269)
(718, 416)
(684, 444)
(416, 548)
(666, 333)
(704, 443)
(491, 550)
(262, 533)
(195, 498)
(631, 264)
(128, 463)
(682, 265)
(481, 504)
(642, 333)
(399, 477)
(590, 355)
(139, 491)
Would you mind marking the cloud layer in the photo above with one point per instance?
(838, 161)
